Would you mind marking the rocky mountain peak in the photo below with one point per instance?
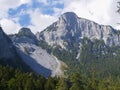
(25, 32)
(24, 36)
(68, 15)
(71, 29)
(68, 18)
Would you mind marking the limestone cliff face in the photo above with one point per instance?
(71, 28)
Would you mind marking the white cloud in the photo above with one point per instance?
(40, 21)
(115, 17)
(3, 14)
(9, 26)
(57, 12)
(7, 4)
(100, 11)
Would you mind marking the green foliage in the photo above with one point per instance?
(11, 79)
(104, 60)
(39, 83)
(50, 84)
(29, 84)
(62, 84)
(77, 82)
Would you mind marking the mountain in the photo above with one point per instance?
(24, 35)
(83, 45)
(91, 52)
(9, 55)
(70, 29)
(72, 43)
(37, 58)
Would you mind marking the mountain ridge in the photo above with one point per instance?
(77, 28)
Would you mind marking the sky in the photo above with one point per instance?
(38, 14)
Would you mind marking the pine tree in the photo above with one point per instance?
(50, 84)
(62, 84)
(77, 82)
(30, 84)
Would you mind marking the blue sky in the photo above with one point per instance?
(38, 14)
(24, 18)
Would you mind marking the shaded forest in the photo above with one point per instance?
(14, 79)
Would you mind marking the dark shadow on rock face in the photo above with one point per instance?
(34, 65)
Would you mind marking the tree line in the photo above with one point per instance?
(14, 79)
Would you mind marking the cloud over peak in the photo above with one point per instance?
(38, 14)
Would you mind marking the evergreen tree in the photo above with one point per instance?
(62, 84)
(77, 82)
(29, 84)
(12, 84)
(50, 84)
(40, 82)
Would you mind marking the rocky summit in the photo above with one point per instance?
(71, 28)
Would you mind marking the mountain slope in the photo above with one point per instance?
(37, 58)
(71, 29)
(83, 45)
(9, 55)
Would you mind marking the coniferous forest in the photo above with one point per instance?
(14, 79)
